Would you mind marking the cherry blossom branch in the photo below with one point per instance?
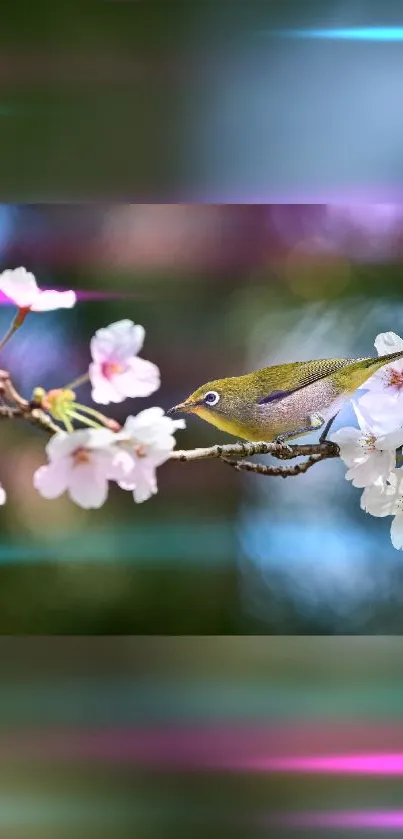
(315, 452)
(21, 408)
(34, 417)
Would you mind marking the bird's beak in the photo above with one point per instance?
(183, 407)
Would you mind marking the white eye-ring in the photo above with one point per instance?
(211, 398)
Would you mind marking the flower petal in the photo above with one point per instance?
(3, 495)
(52, 480)
(103, 390)
(146, 483)
(59, 446)
(396, 532)
(362, 419)
(382, 421)
(386, 409)
(88, 486)
(19, 286)
(63, 444)
(152, 427)
(141, 378)
(378, 500)
(376, 465)
(99, 438)
(47, 301)
(391, 441)
(378, 383)
(120, 465)
(117, 342)
(388, 342)
(349, 441)
(145, 421)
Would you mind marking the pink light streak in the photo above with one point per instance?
(109, 295)
(205, 750)
(348, 764)
(353, 820)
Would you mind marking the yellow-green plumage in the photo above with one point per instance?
(288, 399)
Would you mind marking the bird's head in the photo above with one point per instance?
(221, 403)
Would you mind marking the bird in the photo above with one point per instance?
(281, 403)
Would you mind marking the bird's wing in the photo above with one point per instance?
(304, 373)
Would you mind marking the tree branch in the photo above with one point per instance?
(315, 452)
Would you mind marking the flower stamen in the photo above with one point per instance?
(110, 369)
(81, 456)
(140, 451)
(368, 442)
(394, 379)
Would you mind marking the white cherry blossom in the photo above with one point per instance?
(82, 463)
(384, 397)
(3, 495)
(369, 453)
(116, 372)
(21, 287)
(386, 499)
(150, 436)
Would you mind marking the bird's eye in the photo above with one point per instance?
(212, 397)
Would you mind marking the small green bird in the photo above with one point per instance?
(283, 402)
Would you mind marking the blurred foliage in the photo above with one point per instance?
(162, 735)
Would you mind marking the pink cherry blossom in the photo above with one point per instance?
(20, 286)
(82, 463)
(150, 436)
(116, 372)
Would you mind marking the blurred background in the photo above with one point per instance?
(170, 100)
(138, 105)
(221, 290)
(237, 737)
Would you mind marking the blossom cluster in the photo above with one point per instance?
(83, 461)
(371, 451)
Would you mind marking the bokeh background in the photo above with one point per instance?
(221, 290)
(171, 100)
(135, 105)
(237, 737)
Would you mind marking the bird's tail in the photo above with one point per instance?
(354, 375)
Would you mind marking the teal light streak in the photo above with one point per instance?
(368, 33)
(185, 542)
(193, 701)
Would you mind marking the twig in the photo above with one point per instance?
(38, 417)
(282, 471)
(8, 391)
(22, 408)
